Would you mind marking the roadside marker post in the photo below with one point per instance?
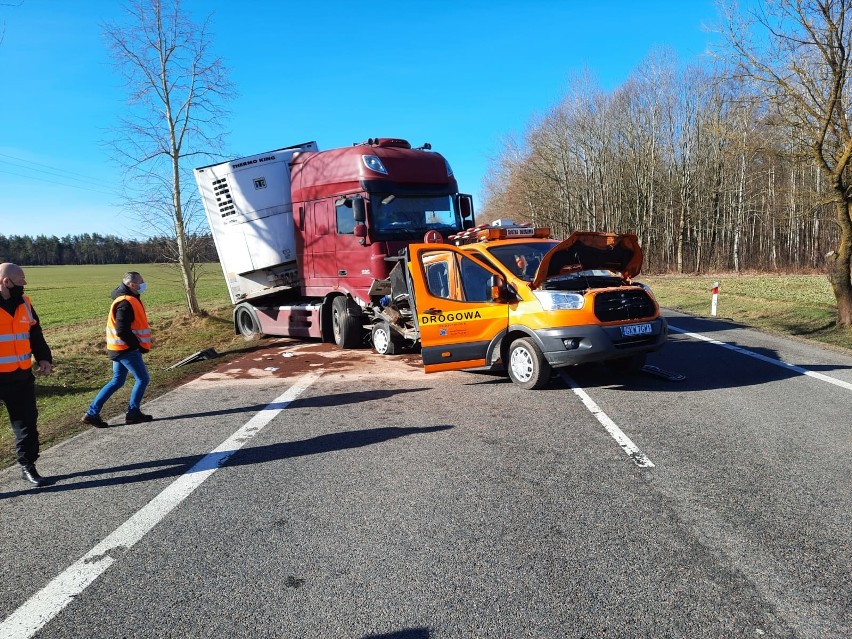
(715, 301)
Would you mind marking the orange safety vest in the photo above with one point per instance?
(139, 326)
(15, 350)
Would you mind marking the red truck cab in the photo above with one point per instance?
(304, 236)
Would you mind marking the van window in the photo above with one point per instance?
(476, 281)
(456, 277)
(437, 279)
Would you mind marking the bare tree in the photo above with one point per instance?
(798, 53)
(177, 89)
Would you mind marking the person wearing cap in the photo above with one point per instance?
(128, 337)
(21, 341)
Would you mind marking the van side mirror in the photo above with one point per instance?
(501, 291)
(359, 209)
(360, 230)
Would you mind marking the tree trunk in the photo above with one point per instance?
(839, 263)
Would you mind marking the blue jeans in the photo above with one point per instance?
(129, 361)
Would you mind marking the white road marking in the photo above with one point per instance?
(764, 358)
(50, 600)
(639, 458)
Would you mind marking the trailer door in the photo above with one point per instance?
(456, 314)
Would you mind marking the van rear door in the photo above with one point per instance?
(456, 314)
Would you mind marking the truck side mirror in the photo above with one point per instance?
(360, 231)
(359, 210)
(466, 206)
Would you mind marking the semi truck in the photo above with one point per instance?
(373, 243)
(304, 235)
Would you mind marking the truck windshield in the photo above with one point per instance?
(411, 216)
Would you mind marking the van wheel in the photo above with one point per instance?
(246, 323)
(527, 366)
(385, 341)
(624, 365)
(345, 324)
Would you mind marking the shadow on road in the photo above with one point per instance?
(339, 399)
(706, 366)
(172, 467)
(409, 633)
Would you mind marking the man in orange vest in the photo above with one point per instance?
(128, 336)
(21, 338)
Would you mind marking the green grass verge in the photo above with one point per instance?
(795, 305)
(72, 303)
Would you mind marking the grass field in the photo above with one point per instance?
(72, 302)
(796, 305)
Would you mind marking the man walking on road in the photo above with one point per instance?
(21, 338)
(128, 336)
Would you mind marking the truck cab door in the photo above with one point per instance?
(456, 314)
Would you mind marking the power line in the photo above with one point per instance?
(52, 169)
(73, 186)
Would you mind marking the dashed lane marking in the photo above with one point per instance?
(639, 458)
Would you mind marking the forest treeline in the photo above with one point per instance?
(93, 248)
(681, 156)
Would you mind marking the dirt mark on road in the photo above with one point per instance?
(285, 358)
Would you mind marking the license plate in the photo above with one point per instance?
(636, 329)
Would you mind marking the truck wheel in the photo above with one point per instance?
(624, 365)
(345, 325)
(527, 366)
(246, 323)
(385, 341)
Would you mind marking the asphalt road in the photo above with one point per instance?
(302, 491)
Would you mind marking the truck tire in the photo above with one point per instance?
(246, 323)
(345, 325)
(526, 365)
(385, 340)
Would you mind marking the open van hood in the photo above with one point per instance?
(590, 250)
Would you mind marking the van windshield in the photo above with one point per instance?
(522, 259)
(411, 216)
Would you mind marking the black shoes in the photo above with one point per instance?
(133, 417)
(94, 420)
(137, 417)
(30, 474)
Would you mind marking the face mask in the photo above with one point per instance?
(16, 292)
(143, 287)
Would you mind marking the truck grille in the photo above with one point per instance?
(622, 305)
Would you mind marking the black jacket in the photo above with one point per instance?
(38, 345)
(124, 317)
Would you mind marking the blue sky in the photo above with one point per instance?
(461, 75)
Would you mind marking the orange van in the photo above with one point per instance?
(512, 297)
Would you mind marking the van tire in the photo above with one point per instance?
(526, 365)
(345, 324)
(385, 341)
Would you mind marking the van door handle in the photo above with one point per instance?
(433, 311)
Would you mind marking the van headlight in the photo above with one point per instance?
(559, 300)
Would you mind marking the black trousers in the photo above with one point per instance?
(20, 400)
